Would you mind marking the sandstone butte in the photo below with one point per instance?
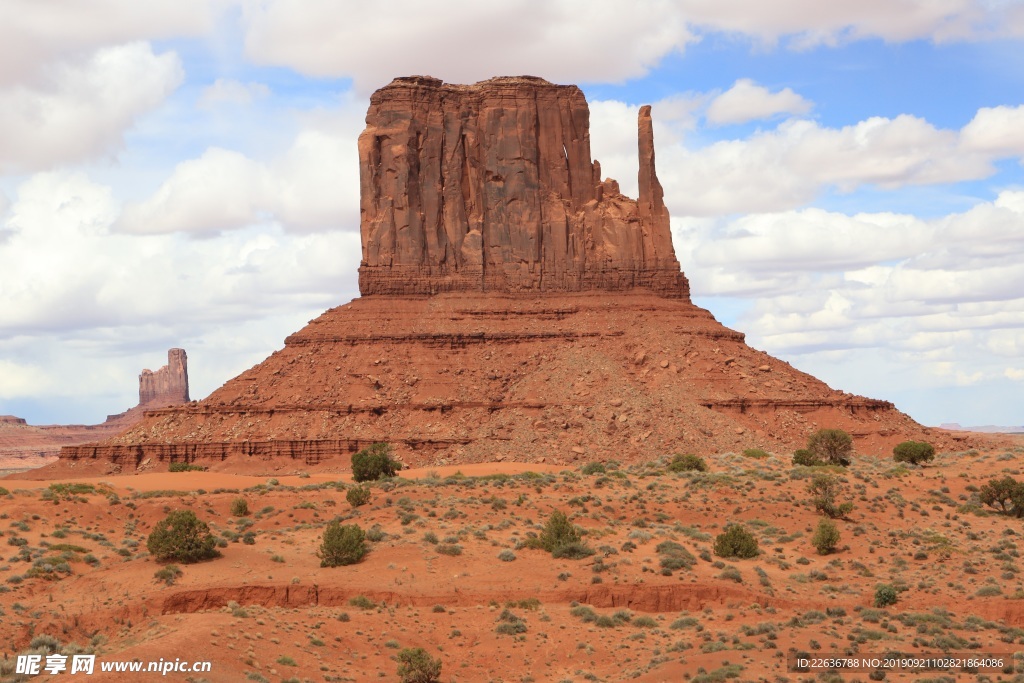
(28, 446)
(515, 307)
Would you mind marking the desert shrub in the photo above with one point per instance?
(358, 496)
(362, 602)
(594, 468)
(687, 462)
(168, 574)
(342, 544)
(374, 462)
(576, 550)
(826, 537)
(824, 488)
(450, 549)
(184, 467)
(736, 541)
(507, 556)
(181, 537)
(806, 458)
(756, 453)
(674, 556)
(833, 446)
(416, 666)
(731, 574)
(510, 624)
(558, 531)
(1005, 495)
(239, 507)
(914, 452)
(885, 594)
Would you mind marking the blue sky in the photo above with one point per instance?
(844, 178)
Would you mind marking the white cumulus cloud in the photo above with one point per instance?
(312, 186)
(574, 41)
(562, 40)
(748, 101)
(231, 92)
(80, 110)
(34, 35)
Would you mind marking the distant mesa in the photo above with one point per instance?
(168, 386)
(25, 446)
(515, 307)
(984, 429)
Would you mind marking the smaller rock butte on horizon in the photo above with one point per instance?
(491, 188)
(23, 445)
(167, 386)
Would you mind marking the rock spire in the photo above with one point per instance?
(167, 386)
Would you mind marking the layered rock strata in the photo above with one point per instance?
(457, 378)
(491, 188)
(515, 307)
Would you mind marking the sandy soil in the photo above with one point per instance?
(267, 611)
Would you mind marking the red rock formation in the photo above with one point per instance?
(558, 325)
(167, 386)
(25, 446)
(491, 188)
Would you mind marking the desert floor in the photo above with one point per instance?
(75, 570)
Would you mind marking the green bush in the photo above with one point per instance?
(239, 507)
(885, 595)
(1005, 495)
(184, 467)
(362, 602)
(416, 666)
(374, 462)
(833, 446)
(594, 468)
(756, 453)
(576, 550)
(806, 458)
(450, 549)
(914, 452)
(736, 541)
(824, 488)
(182, 537)
(168, 574)
(342, 544)
(358, 496)
(687, 462)
(826, 537)
(674, 556)
(558, 531)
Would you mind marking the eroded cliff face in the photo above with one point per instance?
(167, 386)
(523, 309)
(491, 188)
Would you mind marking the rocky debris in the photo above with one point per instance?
(568, 382)
(490, 187)
(167, 386)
